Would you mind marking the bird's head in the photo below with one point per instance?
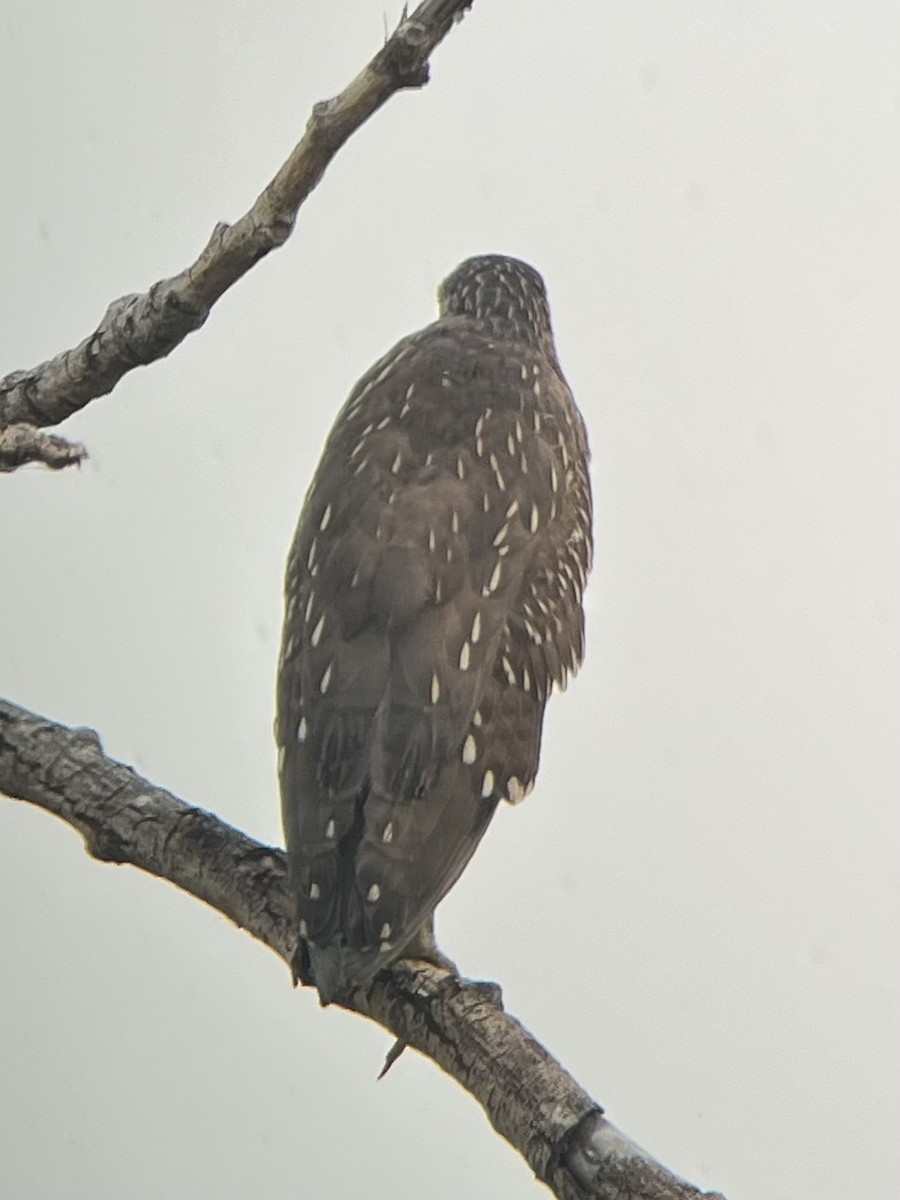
(494, 287)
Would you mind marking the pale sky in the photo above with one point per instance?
(697, 909)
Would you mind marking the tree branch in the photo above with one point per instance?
(527, 1096)
(21, 444)
(139, 329)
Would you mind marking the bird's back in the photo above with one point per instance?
(433, 598)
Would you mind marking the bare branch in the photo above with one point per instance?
(527, 1096)
(21, 444)
(139, 329)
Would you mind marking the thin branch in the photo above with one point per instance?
(139, 329)
(21, 444)
(527, 1096)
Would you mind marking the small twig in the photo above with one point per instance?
(391, 1057)
(21, 444)
(139, 329)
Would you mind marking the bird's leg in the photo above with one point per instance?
(422, 945)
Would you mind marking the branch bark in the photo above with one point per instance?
(527, 1096)
(139, 329)
(21, 444)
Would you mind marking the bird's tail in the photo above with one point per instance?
(337, 969)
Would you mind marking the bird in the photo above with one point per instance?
(433, 600)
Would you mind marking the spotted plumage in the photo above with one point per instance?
(433, 600)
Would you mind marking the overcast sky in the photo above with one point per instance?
(697, 910)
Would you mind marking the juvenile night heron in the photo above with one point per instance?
(433, 600)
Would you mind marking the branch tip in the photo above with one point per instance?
(23, 443)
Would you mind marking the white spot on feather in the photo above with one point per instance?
(476, 628)
(326, 517)
(326, 680)
(464, 656)
(395, 465)
(487, 784)
(435, 688)
(535, 518)
(317, 632)
(387, 834)
(329, 830)
(469, 751)
(385, 932)
(494, 580)
(302, 730)
(314, 891)
(501, 533)
(514, 790)
(373, 893)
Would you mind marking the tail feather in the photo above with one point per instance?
(337, 968)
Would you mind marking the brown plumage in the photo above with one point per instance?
(433, 599)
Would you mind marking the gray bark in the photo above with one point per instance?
(139, 329)
(528, 1097)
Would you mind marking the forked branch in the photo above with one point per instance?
(139, 329)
